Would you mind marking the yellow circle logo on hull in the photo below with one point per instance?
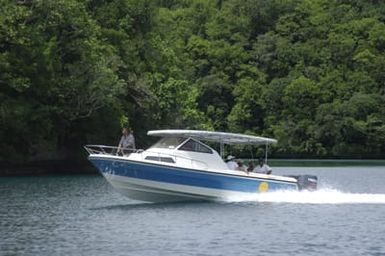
(263, 187)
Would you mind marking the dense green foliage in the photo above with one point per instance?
(310, 73)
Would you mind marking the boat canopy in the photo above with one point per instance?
(220, 137)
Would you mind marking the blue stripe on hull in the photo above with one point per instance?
(183, 176)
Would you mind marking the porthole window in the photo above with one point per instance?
(160, 159)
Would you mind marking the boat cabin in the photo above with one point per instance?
(184, 148)
(184, 152)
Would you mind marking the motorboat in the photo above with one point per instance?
(181, 167)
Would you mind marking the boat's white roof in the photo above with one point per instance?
(221, 137)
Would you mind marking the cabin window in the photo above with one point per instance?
(160, 159)
(169, 143)
(195, 146)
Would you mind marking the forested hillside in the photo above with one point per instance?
(310, 73)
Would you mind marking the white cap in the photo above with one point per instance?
(230, 157)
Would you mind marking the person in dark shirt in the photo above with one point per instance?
(250, 167)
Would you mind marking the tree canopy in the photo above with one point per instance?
(310, 73)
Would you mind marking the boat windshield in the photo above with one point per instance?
(168, 142)
(195, 146)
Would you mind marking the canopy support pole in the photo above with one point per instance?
(267, 148)
(222, 149)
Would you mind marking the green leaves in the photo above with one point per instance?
(308, 72)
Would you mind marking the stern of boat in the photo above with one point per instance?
(306, 182)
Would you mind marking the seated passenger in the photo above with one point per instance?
(262, 167)
(231, 164)
(241, 167)
(250, 167)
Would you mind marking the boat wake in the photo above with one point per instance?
(322, 196)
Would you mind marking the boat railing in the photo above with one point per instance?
(108, 150)
(113, 151)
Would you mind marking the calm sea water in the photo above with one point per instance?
(83, 215)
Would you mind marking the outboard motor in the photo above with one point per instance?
(307, 182)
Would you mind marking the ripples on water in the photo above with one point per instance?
(82, 215)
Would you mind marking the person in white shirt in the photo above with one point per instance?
(262, 167)
(231, 164)
(126, 142)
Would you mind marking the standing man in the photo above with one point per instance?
(127, 141)
(262, 167)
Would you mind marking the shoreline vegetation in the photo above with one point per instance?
(309, 73)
